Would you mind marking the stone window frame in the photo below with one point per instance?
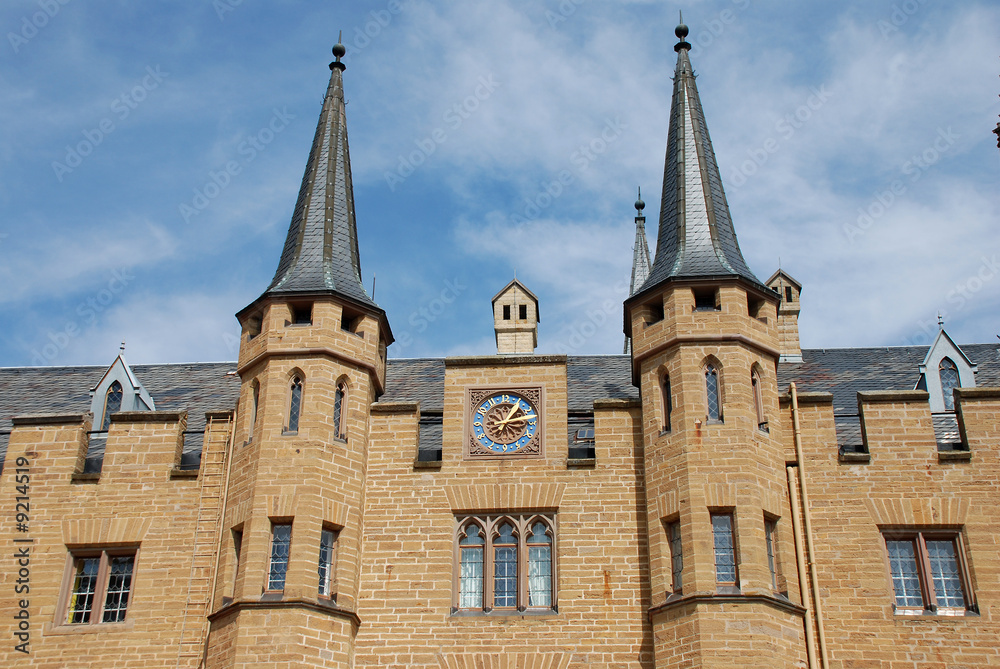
(254, 407)
(95, 619)
(296, 377)
(710, 365)
(725, 586)
(341, 395)
(327, 587)
(269, 578)
(918, 538)
(666, 402)
(489, 524)
(675, 548)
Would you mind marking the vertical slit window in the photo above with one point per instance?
(949, 381)
(758, 400)
(676, 556)
(339, 398)
(725, 548)
(668, 402)
(327, 550)
(712, 390)
(769, 532)
(470, 578)
(254, 407)
(505, 568)
(237, 547)
(281, 539)
(539, 567)
(112, 404)
(295, 405)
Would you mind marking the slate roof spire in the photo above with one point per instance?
(696, 237)
(640, 254)
(321, 250)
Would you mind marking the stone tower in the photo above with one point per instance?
(312, 360)
(704, 356)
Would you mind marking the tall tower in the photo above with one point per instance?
(640, 254)
(312, 360)
(704, 356)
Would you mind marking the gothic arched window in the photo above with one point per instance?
(758, 399)
(712, 391)
(339, 404)
(667, 401)
(949, 381)
(294, 404)
(112, 404)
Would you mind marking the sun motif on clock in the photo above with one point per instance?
(505, 422)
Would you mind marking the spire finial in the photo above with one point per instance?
(639, 204)
(681, 31)
(338, 52)
(122, 347)
(940, 321)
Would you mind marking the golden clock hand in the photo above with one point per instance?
(520, 418)
(506, 420)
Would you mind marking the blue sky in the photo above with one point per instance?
(487, 138)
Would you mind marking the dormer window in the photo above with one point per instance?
(949, 381)
(112, 404)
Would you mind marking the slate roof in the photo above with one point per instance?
(202, 387)
(321, 250)
(696, 237)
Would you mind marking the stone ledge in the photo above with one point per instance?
(395, 407)
(90, 477)
(954, 456)
(855, 458)
(890, 396)
(618, 403)
(580, 463)
(774, 602)
(42, 419)
(177, 473)
(149, 416)
(500, 359)
(807, 398)
(328, 609)
(978, 393)
(427, 464)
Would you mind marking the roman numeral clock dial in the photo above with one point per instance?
(505, 422)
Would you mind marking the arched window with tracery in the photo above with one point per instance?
(505, 567)
(470, 580)
(758, 399)
(713, 396)
(112, 404)
(294, 404)
(539, 566)
(666, 401)
(339, 410)
(949, 381)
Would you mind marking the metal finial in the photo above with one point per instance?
(339, 50)
(122, 347)
(681, 31)
(639, 204)
(940, 320)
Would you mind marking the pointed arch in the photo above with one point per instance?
(112, 404)
(756, 386)
(666, 400)
(948, 372)
(254, 405)
(713, 388)
(539, 537)
(340, 397)
(505, 540)
(471, 555)
(296, 396)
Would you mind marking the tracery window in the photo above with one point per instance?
(714, 398)
(667, 401)
(339, 405)
(294, 404)
(505, 563)
(949, 381)
(112, 404)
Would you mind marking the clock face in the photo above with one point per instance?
(504, 421)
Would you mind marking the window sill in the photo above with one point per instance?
(954, 456)
(289, 433)
(855, 458)
(577, 463)
(714, 421)
(88, 628)
(937, 615)
(178, 473)
(427, 464)
(504, 613)
(340, 440)
(86, 478)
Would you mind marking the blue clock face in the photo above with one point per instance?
(504, 422)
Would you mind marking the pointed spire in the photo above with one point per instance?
(696, 237)
(321, 250)
(640, 254)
